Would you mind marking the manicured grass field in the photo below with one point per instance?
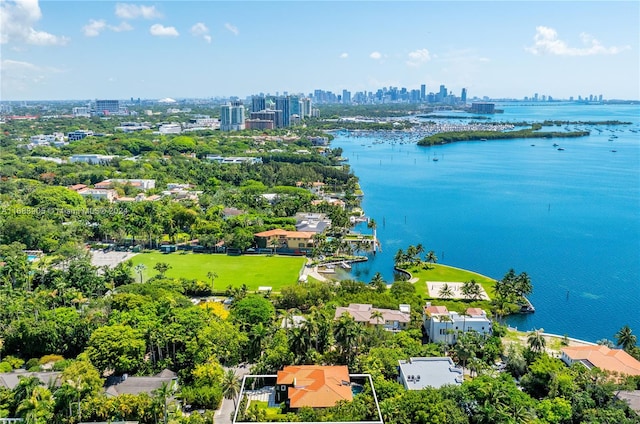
(439, 272)
(252, 270)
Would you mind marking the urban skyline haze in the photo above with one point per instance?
(55, 50)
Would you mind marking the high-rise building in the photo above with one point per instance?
(258, 103)
(423, 92)
(305, 107)
(463, 96)
(283, 103)
(346, 97)
(105, 107)
(232, 116)
(442, 94)
(294, 102)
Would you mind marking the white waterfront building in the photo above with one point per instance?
(441, 325)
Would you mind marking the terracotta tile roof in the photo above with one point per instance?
(316, 386)
(287, 234)
(604, 358)
(436, 310)
(475, 312)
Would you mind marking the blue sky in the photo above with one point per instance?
(154, 49)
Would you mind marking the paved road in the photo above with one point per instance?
(223, 415)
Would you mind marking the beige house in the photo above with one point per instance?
(279, 238)
(392, 320)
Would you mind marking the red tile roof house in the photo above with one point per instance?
(616, 361)
(313, 386)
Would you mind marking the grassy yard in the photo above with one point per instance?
(439, 272)
(252, 270)
(273, 412)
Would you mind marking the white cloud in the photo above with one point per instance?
(133, 11)
(201, 30)
(17, 20)
(344, 55)
(418, 57)
(232, 28)
(546, 41)
(159, 30)
(375, 55)
(95, 27)
(8, 65)
(124, 26)
(18, 76)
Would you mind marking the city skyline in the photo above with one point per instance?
(54, 50)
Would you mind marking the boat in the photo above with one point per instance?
(555, 144)
(613, 151)
(435, 159)
(483, 139)
(345, 265)
(561, 148)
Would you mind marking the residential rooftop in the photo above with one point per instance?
(418, 373)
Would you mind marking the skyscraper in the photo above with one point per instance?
(346, 97)
(463, 96)
(258, 103)
(232, 116)
(423, 92)
(283, 103)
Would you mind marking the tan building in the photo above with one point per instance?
(392, 320)
(279, 238)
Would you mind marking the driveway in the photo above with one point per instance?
(224, 415)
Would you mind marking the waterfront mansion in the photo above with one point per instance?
(441, 325)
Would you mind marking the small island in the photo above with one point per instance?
(451, 137)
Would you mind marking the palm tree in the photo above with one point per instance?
(412, 254)
(625, 338)
(431, 257)
(346, 334)
(446, 319)
(140, 269)
(257, 335)
(378, 282)
(445, 292)
(464, 351)
(464, 316)
(230, 386)
(212, 276)
(399, 258)
(471, 290)
(162, 395)
(499, 307)
(536, 341)
(378, 318)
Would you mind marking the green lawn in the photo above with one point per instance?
(273, 412)
(252, 270)
(439, 272)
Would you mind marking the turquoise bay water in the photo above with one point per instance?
(570, 219)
